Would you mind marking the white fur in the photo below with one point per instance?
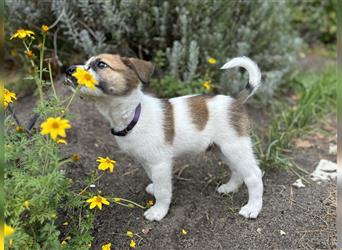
(146, 143)
(251, 67)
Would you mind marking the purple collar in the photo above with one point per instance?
(131, 125)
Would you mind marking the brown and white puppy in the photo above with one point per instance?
(155, 131)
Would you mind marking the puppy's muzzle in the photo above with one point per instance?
(70, 79)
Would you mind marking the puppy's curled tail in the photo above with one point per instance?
(253, 72)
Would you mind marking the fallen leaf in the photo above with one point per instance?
(319, 136)
(146, 230)
(303, 143)
(329, 127)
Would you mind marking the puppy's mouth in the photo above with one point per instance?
(72, 82)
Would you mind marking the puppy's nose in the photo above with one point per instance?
(71, 70)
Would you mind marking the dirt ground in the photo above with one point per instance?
(306, 216)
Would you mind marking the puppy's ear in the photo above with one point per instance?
(142, 68)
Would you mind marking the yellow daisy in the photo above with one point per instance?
(208, 85)
(130, 234)
(27, 204)
(132, 244)
(21, 34)
(149, 203)
(8, 97)
(107, 246)
(55, 127)
(106, 163)
(97, 201)
(8, 230)
(45, 28)
(184, 232)
(212, 60)
(85, 78)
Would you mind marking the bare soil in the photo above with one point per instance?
(306, 216)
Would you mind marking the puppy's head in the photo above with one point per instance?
(115, 75)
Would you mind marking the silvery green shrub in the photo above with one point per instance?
(182, 34)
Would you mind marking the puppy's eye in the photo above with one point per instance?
(101, 65)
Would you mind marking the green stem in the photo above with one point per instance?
(129, 201)
(84, 189)
(52, 82)
(72, 97)
(64, 162)
(42, 49)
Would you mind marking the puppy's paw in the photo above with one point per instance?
(149, 189)
(156, 213)
(227, 188)
(250, 211)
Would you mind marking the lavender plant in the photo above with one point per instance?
(186, 32)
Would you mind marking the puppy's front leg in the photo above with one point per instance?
(162, 190)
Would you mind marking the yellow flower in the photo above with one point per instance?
(132, 244)
(19, 129)
(130, 234)
(64, 242)
(75, 157)
(207, 85)
(55, 127)
(21, 34)
(29, 53)
(212, 60)
(68, 238)
(184, 232)
(61, 141)
(107, 246)
(45, 28)
(65, 223)
(27, 204)
(149, 203)
(97, 201)
(85, 78)
(8, 97)
(106, 163)
(8, 230)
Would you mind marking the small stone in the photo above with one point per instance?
(282, 232)
(298, 183)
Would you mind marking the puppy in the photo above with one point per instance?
(155, 131)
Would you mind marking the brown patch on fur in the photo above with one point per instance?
(141, 68)
(238, 117)
(169, 122)
(199, 110)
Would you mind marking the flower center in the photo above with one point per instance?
(98, 199)
(87, 77)
(55, 125)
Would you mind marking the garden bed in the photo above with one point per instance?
(306, 216)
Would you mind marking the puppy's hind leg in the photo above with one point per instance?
(243, 163)
(234, 182)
